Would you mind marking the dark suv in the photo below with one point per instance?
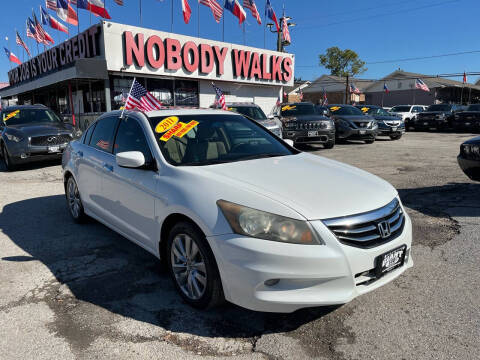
(437, 117)
(468, 120)
(352, 124)
(304, 125)
(32, 133)
(389, 124)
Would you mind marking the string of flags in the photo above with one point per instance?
(66, 12)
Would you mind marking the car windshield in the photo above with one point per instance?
(29, 116)
(374, 111)
(473, 108)
(400, 109)
(297, 109)
(206, 139)
(252, 112)
(439, 107)
(345, 110)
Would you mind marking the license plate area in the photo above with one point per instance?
(312, 133)
(362, 132)
(394, 128)
(54, 149)
(390, 261)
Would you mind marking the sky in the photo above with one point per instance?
(378, 30)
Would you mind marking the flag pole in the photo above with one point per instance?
(140, 10)
(8, 42)
(264, 29)
(223, 26)
(244, 36)
(171, 20)
(198, 14)
(128, 97)
(78, 21)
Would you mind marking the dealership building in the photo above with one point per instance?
(92, 72)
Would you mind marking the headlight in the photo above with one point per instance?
(78, 133)
(13, 138)
(290, 124)
(262, 225)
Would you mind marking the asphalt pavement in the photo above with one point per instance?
(71, 291)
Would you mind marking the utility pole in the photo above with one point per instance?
(280, 43)
(346, 91)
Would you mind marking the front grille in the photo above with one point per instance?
(470, 151)
(50, 140)
(392, 123)
(362, 124)
(314, 125)
(369, 229)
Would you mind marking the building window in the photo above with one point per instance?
(186, 93)
(399, 85)
(162, 89)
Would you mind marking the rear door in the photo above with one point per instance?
(98, 158)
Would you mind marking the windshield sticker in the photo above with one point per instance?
(12, 114)
(335, 108)
(288, 107)
(166, 124)
(179, 130)
(365, 109)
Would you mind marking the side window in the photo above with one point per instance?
(418, 109)
(130, 137)
(102, 136)
(88, 134)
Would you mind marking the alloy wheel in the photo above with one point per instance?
(74, 202)
(188, 266)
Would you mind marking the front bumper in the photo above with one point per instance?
(356, 134)
(468, 125)
(309, 276)
(431, 124)
(24, 152)
(302, 136)
(471, 168)
(386, 130)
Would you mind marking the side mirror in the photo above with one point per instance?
(270, 116)
(130, 159)
(289, 142)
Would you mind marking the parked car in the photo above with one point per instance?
(437, 117)
(408, 113)
(389, 124)
(32, 133)
(235, 212)
(256, 113)
(303, 125)
(468, 120)
(469, 158)
(352, 124)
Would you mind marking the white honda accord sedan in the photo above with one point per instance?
(235, 212)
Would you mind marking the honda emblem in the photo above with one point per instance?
(384, 229)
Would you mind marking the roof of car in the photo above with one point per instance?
(297, 103)
(241, 104)
(20, 107)
(370, 106)
(178, 112)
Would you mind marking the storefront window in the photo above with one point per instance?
(186, 93)
(162, 89)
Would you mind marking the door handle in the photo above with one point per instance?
(108, 167)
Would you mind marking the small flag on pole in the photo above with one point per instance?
(32, 31)
(51, 21)
(354, 89)
(385, 88)
(285, 31)
(219, 97)
(325, 100)
(51, 4)
(141, 99)
(236, 9)
(119, 2)
(12, 57)
(217, 10)
(270, 13)
(250, 5)
(187, 12)
(66, 12)
(20, 42)
(464, 77)
(419, 84)
(96, 7)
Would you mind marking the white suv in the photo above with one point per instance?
(408, 113)
(235, 212)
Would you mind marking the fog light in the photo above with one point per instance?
(23, 156)
(290, 134)
(271, 282)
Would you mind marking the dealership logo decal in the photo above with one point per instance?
(12, 114)
(170, 126)
(384, 229)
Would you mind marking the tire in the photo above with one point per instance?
(396, 137)
(329, 145)
(74, 201)
(7, 160)
(199, 285)
(369, 141)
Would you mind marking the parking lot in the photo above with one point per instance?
(82, 291)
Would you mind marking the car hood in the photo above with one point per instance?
(312, 117)
(364, 118)
(42, 129)
(475, 141)
(269, 123)
(313, 186)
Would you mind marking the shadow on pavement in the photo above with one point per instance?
(102, 268)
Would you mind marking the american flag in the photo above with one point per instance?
(325, 100)
(220, 97)
(301, 94)
(118, 2)
(419, 84)
(285, 31)
(354, 89)
(217, 10)
(32, 31)
(278, 101)
(73, 2)
(250, 5)
(51, 4)
(20, 42)
(141, 99)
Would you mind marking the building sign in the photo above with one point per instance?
(83, 45)
(159, 53)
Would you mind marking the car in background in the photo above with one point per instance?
(234, 212)
(304, 125)
(469, 158)
(389, 124)
(468, 120)
(256, 113)
(408, 113)
(32, 133)
(437, 117)
(352, 124)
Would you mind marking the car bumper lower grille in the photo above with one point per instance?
(369, 229)
(50, 140)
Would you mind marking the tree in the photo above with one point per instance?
(342, 62)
